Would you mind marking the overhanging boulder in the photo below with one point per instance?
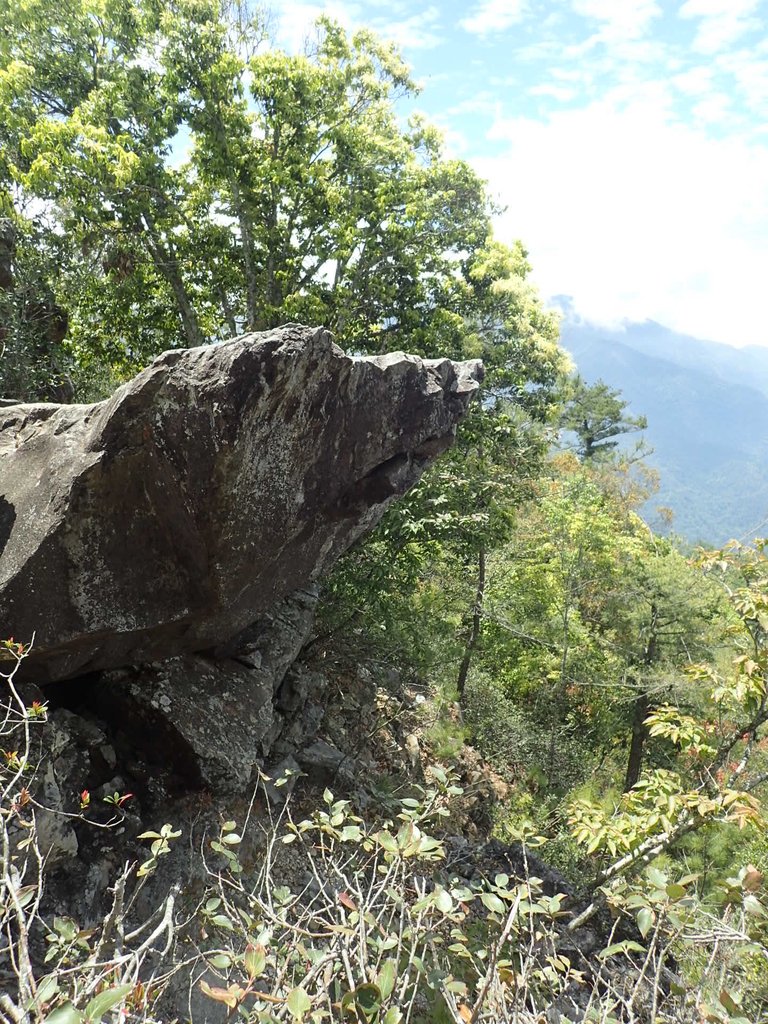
(221, 479)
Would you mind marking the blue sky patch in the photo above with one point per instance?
(627, 141)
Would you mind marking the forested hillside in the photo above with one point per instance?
(707, 411)
(516, 626)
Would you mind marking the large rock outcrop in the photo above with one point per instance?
(171, 517)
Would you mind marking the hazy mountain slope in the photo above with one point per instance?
(738, 365)
(707, 416)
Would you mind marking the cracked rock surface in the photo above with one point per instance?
(169, 518)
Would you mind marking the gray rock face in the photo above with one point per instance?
(169, 518)
(209, 719)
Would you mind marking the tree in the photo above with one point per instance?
(88, 135)
(503, 443)
(33, 326)
(595, 413)
(721, 768)
(545, 650)
(664, 617)
(465, 506)
(590, 621)
(300, 197)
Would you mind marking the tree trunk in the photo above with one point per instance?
(167, 264)
(476, 626)
(7, 252)
(557, 697)
(219, 130)
(246, 238)
(637, 744)
(641, 708)
(273, 296)
(226, 309)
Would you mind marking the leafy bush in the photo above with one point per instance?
(363, 919)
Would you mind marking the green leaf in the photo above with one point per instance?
(492, 902)
(675, 891)
(656, 877)
(255, 960)
(443, 900)
(66, 927)
(298, 1002)
(47, 988)
(387, 977)
(222, 961)
(65, 1014)
(457, 987)
(644, 920)
(26, 894)
(367, 998)
(106, 1001)
(351, 833)
(752, 905)
(620, 947)
(386, 841)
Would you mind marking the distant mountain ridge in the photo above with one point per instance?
(707, 410)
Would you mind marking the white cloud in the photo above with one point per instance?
(491, 16)
(484, 102)
(639, 216)
(420, 31)
(695, 81)
(714, 109)
(296, 21)
(721, 22)
(567, 74)
(649, 199)
(620, 19)
(750, 72)
(481, 107)
(563, 93)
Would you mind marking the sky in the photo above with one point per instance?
(626, 140)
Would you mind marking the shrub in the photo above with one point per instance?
(360, 920)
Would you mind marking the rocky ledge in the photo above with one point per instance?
(171, 517)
